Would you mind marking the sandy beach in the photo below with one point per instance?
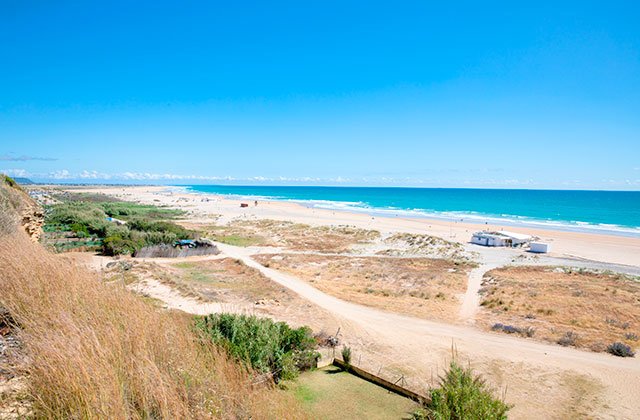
(202, 208)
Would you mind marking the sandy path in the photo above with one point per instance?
(471, 302)
(173, 299)
(416, 342)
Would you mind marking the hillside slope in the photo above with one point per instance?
(96, 350)
(18, 209)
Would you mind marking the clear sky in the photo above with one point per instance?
(480, 94)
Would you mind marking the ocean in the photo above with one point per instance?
(615, 212)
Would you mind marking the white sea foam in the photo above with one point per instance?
(454, 216)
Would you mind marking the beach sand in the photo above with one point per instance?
(605, 248)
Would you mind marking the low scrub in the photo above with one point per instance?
(510, 329)
(462, 395)
(568, 339)
(143, 224)
(620, 350)
(267, 346)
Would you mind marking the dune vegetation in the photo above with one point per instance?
(88, 220)
(270, 347)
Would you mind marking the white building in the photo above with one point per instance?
(500, 238)
(539, 247)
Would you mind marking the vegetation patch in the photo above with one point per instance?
(571, 307)
(510, 329)
(294, 236)
(462, 395)
(114, 227)
(422, 287)
(267, 346)
(330, 393)
(621, 350)
(96, 350)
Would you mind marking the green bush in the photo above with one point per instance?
(346, 356)
(125, 210)
(115, 245)
(463, 395)
(9, 181)
(265, 345)
(142, 228)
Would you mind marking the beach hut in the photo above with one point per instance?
(500, 238)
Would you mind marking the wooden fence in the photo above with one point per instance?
(390, 386)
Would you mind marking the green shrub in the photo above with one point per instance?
(142, 228)
(463, 395)
(125, 210)
(346, 356)
(115, 245)
(267, 346)
(9, 181)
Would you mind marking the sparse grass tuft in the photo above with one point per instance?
(569, 338)
(346, 356)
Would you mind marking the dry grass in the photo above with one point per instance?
(423, 287)
(293, 236)
(224, 280)
(96, 350)
(227, 281)
(577, 308)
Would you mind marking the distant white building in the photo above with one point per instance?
(500, 238)
(539, 247)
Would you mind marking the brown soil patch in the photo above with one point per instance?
(422, 287)
(575, 307)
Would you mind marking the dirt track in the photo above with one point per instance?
(542, 380)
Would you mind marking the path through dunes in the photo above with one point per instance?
(542, 379)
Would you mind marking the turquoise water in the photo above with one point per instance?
(600, 211)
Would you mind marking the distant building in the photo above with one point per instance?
(500, 238)
(539, 247)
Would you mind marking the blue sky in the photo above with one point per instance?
(480, 94)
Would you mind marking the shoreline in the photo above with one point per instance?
(444, 216)
(208, 207)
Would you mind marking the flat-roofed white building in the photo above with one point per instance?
(500, 238)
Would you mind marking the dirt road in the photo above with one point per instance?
(543, 380)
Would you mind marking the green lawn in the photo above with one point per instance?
(330, 393)
(238, 240)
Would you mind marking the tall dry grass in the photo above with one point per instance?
(97, 351)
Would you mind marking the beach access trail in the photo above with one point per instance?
(412, 342)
